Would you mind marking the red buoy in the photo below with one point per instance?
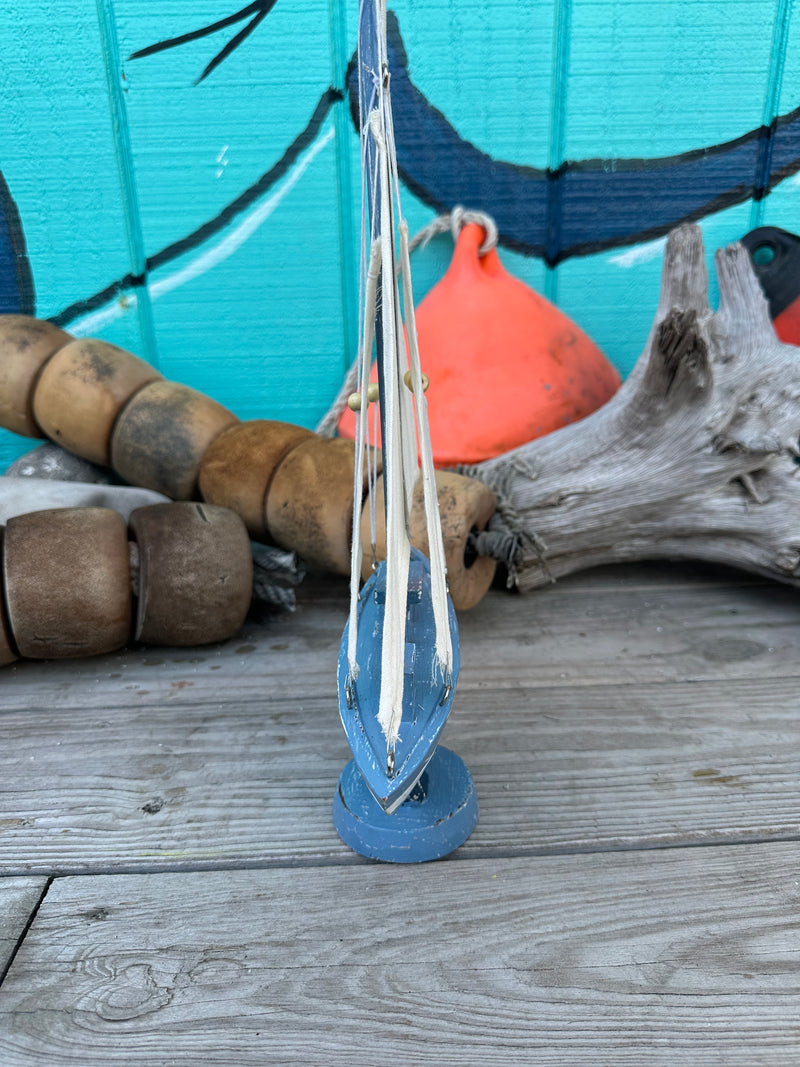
(505, 365)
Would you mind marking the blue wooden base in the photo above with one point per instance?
(438, 816)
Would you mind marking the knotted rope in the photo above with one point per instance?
(451, 222)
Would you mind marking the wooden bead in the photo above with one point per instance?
(67, 582)
(237, 469)
(195, 573)
(25, 346)
(310, 502)
(373, 394)
(161, 436)
(81, 391)
(410, 385)
(464, 504)
(7, 653)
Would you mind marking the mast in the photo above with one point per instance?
(403, 411)
(402, 628)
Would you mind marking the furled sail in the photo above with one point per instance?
(404, 608)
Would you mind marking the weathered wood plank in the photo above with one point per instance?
(227, 783)
(678, 957)
(218, 757)
(18, 900)
(578, 633)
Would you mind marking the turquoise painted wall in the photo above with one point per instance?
(126, 170)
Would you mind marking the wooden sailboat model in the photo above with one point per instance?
(400, 798)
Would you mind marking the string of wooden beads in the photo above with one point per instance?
(290, 486)
(78, 582)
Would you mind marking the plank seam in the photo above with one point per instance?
(558, 121)
(460, 855)
(780, 41)
(25, 929)
(344, 185)
(312, 695)
(123, 149)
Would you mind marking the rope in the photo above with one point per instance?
(452, 222)
(506, 539)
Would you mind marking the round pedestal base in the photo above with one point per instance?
(438, 816)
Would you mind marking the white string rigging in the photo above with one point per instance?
(405, 422)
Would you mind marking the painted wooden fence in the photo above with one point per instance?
(207, 219)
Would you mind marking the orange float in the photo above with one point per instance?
(505, 365)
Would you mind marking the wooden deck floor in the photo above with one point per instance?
(172, 890)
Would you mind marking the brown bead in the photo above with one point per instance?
(237, 469)
(310, 502)
(81, 391)
(161, 436)
(195, 573)
(25, 346)
(7, 653)
(67, 580)
(464, 503)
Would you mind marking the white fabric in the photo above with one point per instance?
(362, 449)
(405, 423)
(398, 546)
(444, 643)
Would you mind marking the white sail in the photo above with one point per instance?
(404, 414)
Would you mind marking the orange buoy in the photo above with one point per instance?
(505, 365)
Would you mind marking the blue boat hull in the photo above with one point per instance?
(427, 694)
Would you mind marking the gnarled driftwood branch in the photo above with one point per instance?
(697, 454)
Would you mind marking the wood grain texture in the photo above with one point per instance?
(592, 716)
(694, 456)
(672, 958)
(19, 898)
(610, 626)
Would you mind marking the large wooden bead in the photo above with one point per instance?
(25, 346)
(67, 582)
(195, 573)
(464, 504)
(161, 436)
(237, 469)
(81, 391)
(310, 502)
(7, 653)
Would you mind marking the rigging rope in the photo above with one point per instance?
(452, 222)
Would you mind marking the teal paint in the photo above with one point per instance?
(127, 176)
(263, 330)
(657, 79)
(269, 329)
(347, 192)
(780, 43)
(558, 121)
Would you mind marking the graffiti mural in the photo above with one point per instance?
(197, 198)
(16, 279)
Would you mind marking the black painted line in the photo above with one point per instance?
(601, 203)
(213, 226)
(259, 10)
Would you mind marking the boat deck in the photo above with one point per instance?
(172, 890)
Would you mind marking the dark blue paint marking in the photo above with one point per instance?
(17, 295)
(583, 207)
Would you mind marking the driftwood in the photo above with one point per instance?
(695, 457)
